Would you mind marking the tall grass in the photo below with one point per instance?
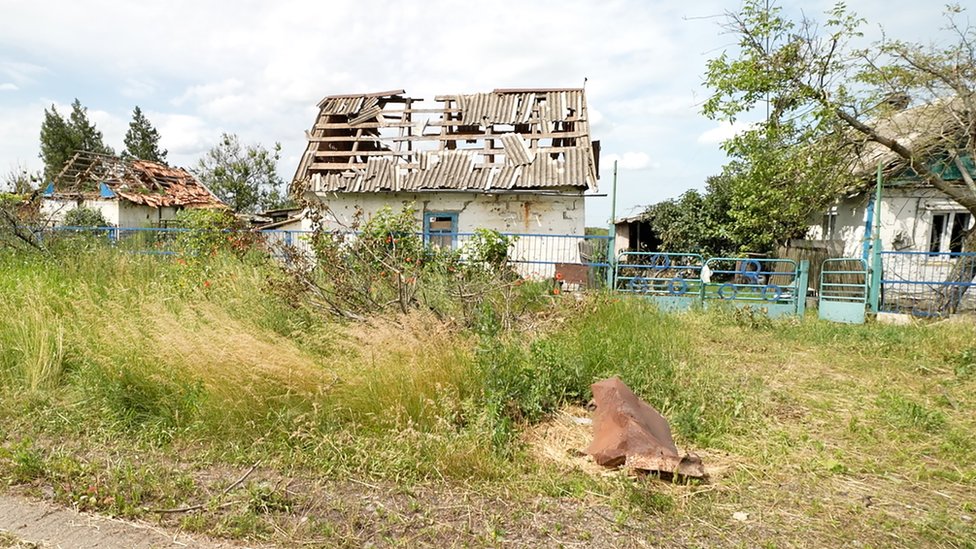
(202, 354)
(31, 346)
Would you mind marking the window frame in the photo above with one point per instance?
(431, 234)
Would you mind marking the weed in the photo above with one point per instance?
(905, 413)
(26, 462)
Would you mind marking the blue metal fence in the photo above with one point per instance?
(843, 290)
(679, 281)
(928, 284)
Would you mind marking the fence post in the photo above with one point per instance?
(802, 284)
(612, 233)
(874, 294)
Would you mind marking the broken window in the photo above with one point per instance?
(440, 229)
(948, 231)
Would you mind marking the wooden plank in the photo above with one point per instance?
(436, 123)
(479, 150)
(339, 167)
(449, 137)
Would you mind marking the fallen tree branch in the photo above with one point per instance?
(201, 506)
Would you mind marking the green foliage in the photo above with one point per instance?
(210, 230)
(696, 222)
(822, 99)
(61, 138)
(142, 139)
(245, 177)
(388, 264)
(85, 217)
(610, 337)
(489, 248)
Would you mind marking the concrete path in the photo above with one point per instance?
(44, 525)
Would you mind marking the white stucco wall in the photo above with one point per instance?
(509, 213)
(54, 210)
(526, 214)
(906, 219)
(119, 213)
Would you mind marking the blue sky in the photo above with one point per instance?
(259, 68)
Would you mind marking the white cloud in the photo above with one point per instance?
(259, 71)
(630, 161)
(8, 86)
(186, 137)
(723, 132)
(137, 89)
(20, 73)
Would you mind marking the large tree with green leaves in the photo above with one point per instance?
(142, 139)
(822, 93)
(245, 177)
(61, 137)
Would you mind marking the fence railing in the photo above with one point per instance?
(928, 284)
(537, 255)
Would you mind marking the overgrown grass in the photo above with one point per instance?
(202, 354)
(120, 373)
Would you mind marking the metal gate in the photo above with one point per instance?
(680, 281)
(671, 280)
(844, 290)
(776, 287)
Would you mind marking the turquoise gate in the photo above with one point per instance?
(672, 280)
(843, 290)
(777, 287)
(680, 281)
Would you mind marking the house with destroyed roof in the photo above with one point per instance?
(512, 160)
(922, 229)
(915, 216)
(128, 193)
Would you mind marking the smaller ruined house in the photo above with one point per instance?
(512, 160)
(128, 193)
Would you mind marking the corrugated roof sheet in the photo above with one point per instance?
(550, 150)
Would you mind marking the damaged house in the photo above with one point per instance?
(512, 160)
(128, 193)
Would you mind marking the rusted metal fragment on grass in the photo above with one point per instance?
(627, 431)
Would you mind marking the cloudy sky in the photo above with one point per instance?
(257, 69)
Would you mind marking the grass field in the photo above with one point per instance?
(190, 395)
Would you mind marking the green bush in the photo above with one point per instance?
(628, 338)
(210, 231)
(85, 217)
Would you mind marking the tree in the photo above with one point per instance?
(827, 93)
(696, 222)
(20, 181)
(244, 177)
(142, 139)
(61, 138)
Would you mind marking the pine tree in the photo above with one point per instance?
(142, 139)
(61, 138)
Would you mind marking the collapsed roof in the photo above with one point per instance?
(504, 140)
(928, 130)
(138, 181)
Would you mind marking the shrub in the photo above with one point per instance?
(85, 217)
(388, 264)
(211, 230)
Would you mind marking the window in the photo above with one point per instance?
(938, 229)
(960, 222)
(948, 231)
(829, 225)
(440, 229)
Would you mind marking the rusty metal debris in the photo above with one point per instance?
(501, 140)
(138, 181)
(627, 431)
